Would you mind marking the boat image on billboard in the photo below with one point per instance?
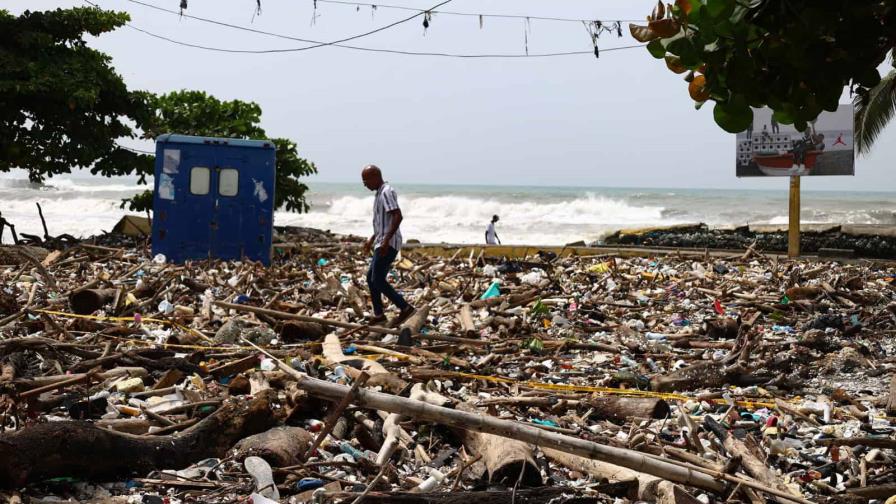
(770, 149)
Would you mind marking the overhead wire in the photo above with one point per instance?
(336, 43)
(472, 14)
(294, 49)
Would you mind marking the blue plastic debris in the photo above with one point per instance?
(309, 484)
(492, 291)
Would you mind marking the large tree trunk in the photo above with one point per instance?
(83, 450)
(504, 458)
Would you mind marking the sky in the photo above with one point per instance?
(622, 120)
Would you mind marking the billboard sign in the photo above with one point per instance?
(769, 149)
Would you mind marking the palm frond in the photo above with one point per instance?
(874, 111)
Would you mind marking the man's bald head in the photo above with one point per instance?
(372, 177)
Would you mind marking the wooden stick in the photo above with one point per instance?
(333, 416)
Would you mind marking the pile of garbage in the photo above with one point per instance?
(858, 243)
(541, 379)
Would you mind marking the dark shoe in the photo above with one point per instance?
(376, 319)
(404, 315)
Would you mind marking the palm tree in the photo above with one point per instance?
(873, 111)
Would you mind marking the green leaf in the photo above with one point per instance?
(782, 117)
(718, 9)
(656, 49)
(733, 117)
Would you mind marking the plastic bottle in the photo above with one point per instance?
(430, 483)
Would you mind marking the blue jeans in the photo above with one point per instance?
(376, 281)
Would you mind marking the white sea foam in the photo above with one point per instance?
(85, 206)
(455, 218)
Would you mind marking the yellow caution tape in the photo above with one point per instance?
(104, 318)
(493, 379)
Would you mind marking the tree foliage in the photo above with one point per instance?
(794, 56)
(200, 114)
(62, 105)
(874, 111)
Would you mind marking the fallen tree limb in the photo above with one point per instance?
(753, 466)
(420, 410)
(55, 449)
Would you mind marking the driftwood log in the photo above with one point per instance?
(705, 375)
(83, 450)
(504, 458)
(465, 317)
(87, 301)
(521, 496)
(618, 409)
(294, 330)
(281, 446)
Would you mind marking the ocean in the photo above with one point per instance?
(83, 206)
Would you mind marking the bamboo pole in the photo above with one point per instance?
(423, 411)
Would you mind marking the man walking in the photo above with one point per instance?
(491, 236)
(385, 242)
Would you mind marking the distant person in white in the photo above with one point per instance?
(491, 236)
(385, 242)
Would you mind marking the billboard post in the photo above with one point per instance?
(770, 149)
(793, 228)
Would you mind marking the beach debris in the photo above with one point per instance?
(624, 376)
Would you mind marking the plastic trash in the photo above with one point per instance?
(268, 364)
(255, 498)
(261, 472)
(599, 268)
(166, 307)
(130, 385)
(492, 291)
(159, 259)
(309, 484)
(429, 484)
(322, 261)
(531, 278)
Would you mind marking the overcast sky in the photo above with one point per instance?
(621, 120)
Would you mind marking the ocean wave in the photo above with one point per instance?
(462, 210)
(67, 185)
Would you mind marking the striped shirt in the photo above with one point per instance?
(384, 202)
